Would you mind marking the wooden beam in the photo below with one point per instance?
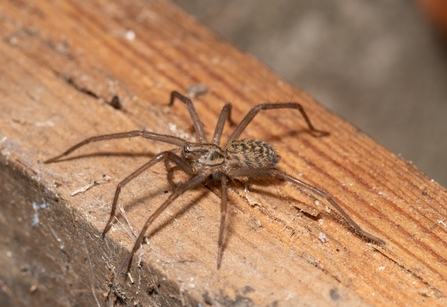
(62, 63)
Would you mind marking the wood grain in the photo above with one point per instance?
(63, 61)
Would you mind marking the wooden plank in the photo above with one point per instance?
(62, 62)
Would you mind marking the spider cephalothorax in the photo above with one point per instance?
(204, 160)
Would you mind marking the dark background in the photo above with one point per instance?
(380, 64)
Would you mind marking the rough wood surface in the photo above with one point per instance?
(62, 62)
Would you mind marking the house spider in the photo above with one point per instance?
(204, 161)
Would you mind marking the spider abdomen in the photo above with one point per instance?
(247, 153)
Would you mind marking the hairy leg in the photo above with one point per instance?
(158, 158)
(270, 106)
(301, 184)
(122, 135)
(223, 216)
(191, 183)
(224, 115)
(198, 126)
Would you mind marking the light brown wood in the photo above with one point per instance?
(61, 62)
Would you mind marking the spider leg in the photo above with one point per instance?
(191, 183)
(122, 135)
(160, 157)
(301, 184)
(223, 215)
(198, 126)
(224, 115)
(269, 106)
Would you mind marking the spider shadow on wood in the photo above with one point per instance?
(207, 161)
(309, 211)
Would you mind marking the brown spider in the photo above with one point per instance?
(204, 161)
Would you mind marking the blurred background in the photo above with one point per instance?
(382, 65)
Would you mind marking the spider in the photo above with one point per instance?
(204, 161)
